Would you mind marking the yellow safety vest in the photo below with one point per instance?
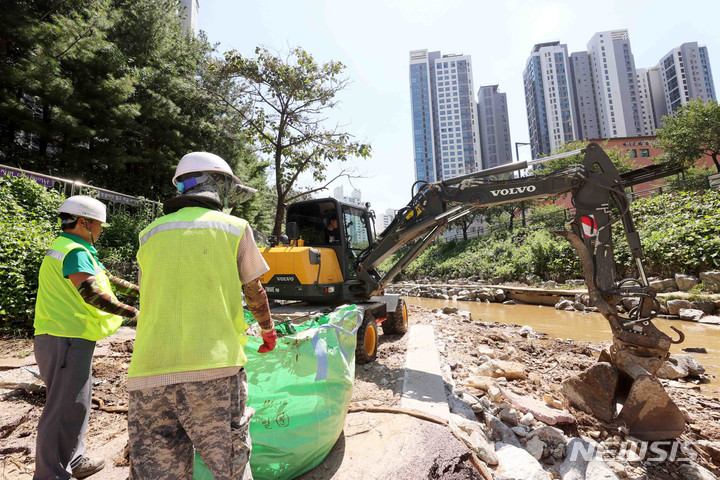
(191, 315)
(60, 309)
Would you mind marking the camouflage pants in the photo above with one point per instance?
(164, 423)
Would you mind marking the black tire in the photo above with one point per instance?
(397, 321)
(367, 341)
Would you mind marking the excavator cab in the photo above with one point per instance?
(325, 237)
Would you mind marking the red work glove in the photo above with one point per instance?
(269, 339)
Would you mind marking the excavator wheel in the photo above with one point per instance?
(397, 321)
(367, 340)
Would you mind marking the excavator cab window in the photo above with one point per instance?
(356, 230)
(311, 219)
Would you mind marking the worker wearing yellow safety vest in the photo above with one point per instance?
(75, 307)
(187, 384)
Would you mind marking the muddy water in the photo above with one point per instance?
(590, 328)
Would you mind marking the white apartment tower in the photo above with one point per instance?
(686, 75)
(548, 98)
(446, 136)
(189, 10)
(615, 83)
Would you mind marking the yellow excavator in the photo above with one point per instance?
(310, 269)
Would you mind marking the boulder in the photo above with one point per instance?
(538, 409)
(485, 350)
(576, 283)
(517, 464)
(502, 368)
(592, 391)
(674, 306)
(472, 435)
(500, 295)
(690, 314)
(707, 306)
(711, 280)
(550, 284)
(509, 416)
(695, 349)
(686, 282)
(535, 447)
(449, 310)
(484, 295)
(563, 304)
(500, 432)
(710, 319)
(549, 434)
(664, 285)
(680, 366)
(692, 471)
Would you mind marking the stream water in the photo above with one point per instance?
(590, 328)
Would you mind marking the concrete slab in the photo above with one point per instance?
(423, 386)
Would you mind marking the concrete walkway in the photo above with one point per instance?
(423, 386)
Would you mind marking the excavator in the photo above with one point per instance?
(307, 271)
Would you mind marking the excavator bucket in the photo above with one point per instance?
(649, 413)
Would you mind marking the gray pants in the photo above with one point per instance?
(164, 423)
(66, 368)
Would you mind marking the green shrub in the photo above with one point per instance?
(28, 225)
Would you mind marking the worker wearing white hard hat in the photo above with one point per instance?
(187, 371)
(75, 307)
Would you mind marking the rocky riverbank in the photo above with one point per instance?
(678, 296)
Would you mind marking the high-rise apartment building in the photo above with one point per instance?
(657, 95)
(445, 128)
(645, 100)
(615, 83)
(189, 10)
(584, 96)
(686, 75)
(494, 127)
(548, 93)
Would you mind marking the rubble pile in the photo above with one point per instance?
(504, 386)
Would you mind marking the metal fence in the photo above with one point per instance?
(117, 202)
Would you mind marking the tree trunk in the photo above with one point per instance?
(715, 159)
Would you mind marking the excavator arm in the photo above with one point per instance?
(597, 191)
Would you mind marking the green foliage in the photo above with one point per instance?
(691, 180)
(28, 225)
(284, 103)
(620, 159)
(691, 132)
(112, 92)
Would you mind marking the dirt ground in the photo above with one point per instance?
(373, 445)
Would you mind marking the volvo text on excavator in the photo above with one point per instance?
(311, 270)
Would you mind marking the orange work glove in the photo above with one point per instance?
(269, 340)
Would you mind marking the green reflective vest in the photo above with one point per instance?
(191, 314)
(60, 309)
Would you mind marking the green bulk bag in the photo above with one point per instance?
(300, 392)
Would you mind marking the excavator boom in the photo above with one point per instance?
(639, 348)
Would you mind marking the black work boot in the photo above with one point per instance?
(88, 466)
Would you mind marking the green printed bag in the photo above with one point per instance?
(300, 392)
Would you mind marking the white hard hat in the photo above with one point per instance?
(202, 162)
(84, 206)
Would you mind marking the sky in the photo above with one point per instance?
(373, 39)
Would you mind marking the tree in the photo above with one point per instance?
(464, 222)
(112, 92)
(620, 159)
(286, 100)
(691, 132)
